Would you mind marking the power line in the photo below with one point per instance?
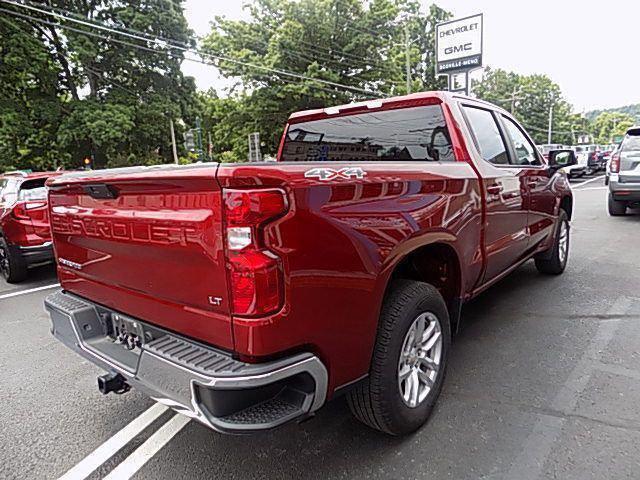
(162, 43)
(151, 37)
(129, 44)
(325, 57)
(314, 46)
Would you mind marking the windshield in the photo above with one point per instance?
(417, 133)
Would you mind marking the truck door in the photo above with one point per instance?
(536, 182)
(505, 238)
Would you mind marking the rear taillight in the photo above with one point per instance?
(255, 272)
(21, 209)
(614, 167)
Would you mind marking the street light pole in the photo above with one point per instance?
(550, 122)
(407, 45)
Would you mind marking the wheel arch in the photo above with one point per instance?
(437, 263)
(566, 204)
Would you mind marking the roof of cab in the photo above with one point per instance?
(414, 99)
(29, 175)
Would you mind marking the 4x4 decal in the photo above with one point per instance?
(324, 174)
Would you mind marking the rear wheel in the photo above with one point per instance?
(409, 360)
(13, 268)
(616, 207)
(554, 260)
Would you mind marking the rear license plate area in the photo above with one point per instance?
(126, 331)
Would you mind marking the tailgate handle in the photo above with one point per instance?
(100, 191)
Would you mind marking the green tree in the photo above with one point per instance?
(609, 124)
(30, 105)
(530, 98)
(104, 98)
(358, 45)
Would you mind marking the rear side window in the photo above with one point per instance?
(417, 133)
(631, 142)
(489, 140)
(33, 190)
(8, 192)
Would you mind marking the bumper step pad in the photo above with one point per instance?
(202, 382)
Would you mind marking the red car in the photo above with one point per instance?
(247, 295)
(25, 237)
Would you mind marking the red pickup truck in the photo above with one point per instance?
(247, 295)
(25, 236)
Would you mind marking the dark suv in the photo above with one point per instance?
(25, 237)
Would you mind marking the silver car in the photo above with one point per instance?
(624, 178)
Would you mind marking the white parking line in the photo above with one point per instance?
(109, 448)
(576, 185)
(148, 449)
(592, 188)
(30, 290)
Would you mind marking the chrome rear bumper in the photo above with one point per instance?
(207, 384)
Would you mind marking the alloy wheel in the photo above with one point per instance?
(420, 359)
(563, 242)
(4, 262)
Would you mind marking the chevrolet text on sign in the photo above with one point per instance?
(459, 44)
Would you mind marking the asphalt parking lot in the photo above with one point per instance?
(544, 382)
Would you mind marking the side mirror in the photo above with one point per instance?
(562, 158)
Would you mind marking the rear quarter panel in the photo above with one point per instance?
(340, 242)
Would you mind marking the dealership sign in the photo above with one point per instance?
(459, 45)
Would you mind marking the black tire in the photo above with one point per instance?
(377, 401)
(13, 268)
(551, 262)
(616, 208)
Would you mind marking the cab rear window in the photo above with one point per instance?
(407, 134)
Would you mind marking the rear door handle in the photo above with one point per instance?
(532, 183)
(495, 189)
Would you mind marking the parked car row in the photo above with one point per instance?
(591, 158)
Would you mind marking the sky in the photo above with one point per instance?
(590, 48)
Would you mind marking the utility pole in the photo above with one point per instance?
(513, 100)
(209, 147)
(550, 122)
(173, 142)
(407, 45)
(199, 132)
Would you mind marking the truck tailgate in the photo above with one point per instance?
(146, 242)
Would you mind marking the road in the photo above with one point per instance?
(544, 382)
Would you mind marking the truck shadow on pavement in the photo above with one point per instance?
(334, 444)
(44, 274)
